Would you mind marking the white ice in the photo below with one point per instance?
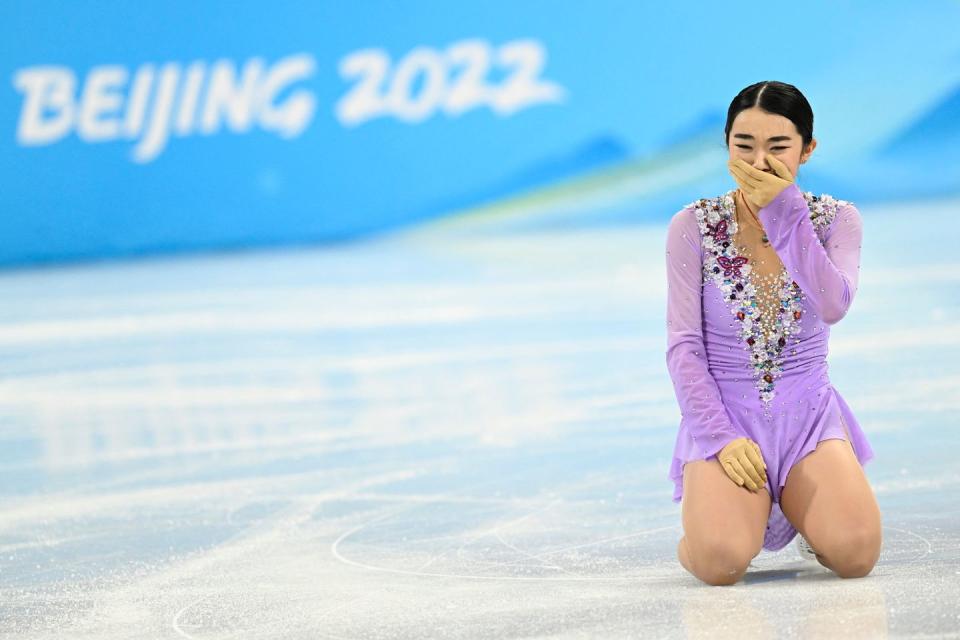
(450, 434)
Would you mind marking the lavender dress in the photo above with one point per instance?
(738, 372)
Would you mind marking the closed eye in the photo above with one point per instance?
(743, 146)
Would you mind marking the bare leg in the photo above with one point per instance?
(828, 499)
(723, 524)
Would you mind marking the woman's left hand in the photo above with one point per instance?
(760, 187)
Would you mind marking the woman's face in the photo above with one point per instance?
(756, 133)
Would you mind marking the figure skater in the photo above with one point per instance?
(766, 446)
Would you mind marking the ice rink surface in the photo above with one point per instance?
(451, 434)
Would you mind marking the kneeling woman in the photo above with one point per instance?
(756, 276)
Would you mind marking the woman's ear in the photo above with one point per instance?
(809, 150)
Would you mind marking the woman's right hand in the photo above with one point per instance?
(742, 460)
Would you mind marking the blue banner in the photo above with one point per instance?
(132, 128)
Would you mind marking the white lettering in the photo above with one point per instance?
(454, 81)
(149, 105)
(290, 118)
(99, 107)
(137, 105)
(156, 138)
(225, 96)
(189, 99)
(44, 88)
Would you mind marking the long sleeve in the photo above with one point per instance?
(828, 275)
(697, 393)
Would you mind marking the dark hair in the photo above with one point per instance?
(774, 97)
